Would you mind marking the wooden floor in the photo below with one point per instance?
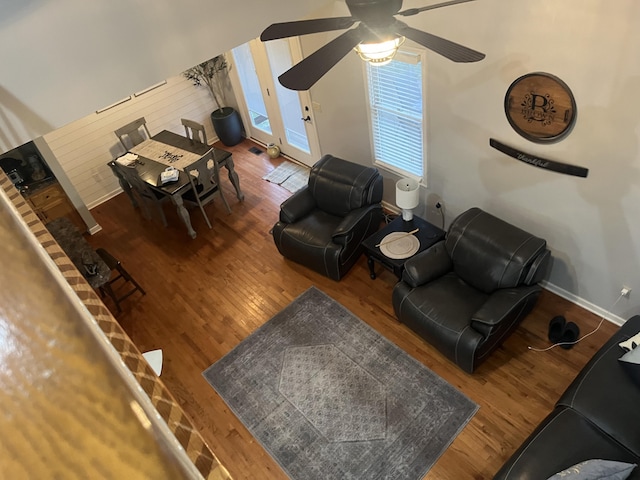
(206, 295)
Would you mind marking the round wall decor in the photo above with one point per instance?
(540, 107)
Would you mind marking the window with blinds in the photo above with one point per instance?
(396, 113)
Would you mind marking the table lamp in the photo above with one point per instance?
(407, 196)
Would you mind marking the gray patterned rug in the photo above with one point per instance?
(329, 398)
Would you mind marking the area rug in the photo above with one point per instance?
(330, 398)
(296, 181)
(289, 175)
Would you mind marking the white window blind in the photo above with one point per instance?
(396, 112)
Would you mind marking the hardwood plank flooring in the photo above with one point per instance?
(206, 295)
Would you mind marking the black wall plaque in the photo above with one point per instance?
(540, 162)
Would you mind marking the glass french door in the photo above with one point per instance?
(275, 114)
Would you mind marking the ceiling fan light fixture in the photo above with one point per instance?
(379, 53)
(376, 38)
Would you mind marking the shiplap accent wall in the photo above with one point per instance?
(84, 147)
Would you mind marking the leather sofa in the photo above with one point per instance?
(467, 293)
(322, 226)
(597, 417)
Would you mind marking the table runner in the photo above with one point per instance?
(166, 154)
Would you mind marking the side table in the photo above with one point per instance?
(428, 235)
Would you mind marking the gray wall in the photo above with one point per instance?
(591, 224)
(74, 57)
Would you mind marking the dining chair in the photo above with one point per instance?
(123, 182)
(144, 192)
(116, 294)
(204, 176)
(135, 131)
(196, 133)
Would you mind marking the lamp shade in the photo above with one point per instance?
(407, 196)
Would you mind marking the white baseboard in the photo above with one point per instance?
(95, 229)
(391, 207)
(581, 302)
(104, 198)
(283, 155)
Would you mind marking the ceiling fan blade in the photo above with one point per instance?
(414, 11)
(451, 50)
(303, 75)
(304, 27)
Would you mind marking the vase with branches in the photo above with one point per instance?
(210, 74)
(226, 120)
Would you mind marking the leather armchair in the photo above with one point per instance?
(467, 293)
(322, 226)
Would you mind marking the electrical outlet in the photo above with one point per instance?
(625, 291)
(438, 205)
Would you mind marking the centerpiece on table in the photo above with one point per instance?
(226, 120)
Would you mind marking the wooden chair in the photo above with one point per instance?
(204, 176)
(124, 184)
(194, 131)
(134, 131)
(115, 266)
(145, 194)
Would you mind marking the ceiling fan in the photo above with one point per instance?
(377, 24)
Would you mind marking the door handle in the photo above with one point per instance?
(306, 119)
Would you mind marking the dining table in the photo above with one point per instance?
(169, 149)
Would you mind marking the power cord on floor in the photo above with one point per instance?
(389, 216)
(578, 340)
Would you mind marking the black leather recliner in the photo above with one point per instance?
(467, 293)
(596, 417)
(323, 225)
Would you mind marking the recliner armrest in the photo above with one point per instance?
(501, 302)
(297, 206)
(427, 265)
(343, 232)
(538, 268)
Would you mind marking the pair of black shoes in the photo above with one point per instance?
(563, 332)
